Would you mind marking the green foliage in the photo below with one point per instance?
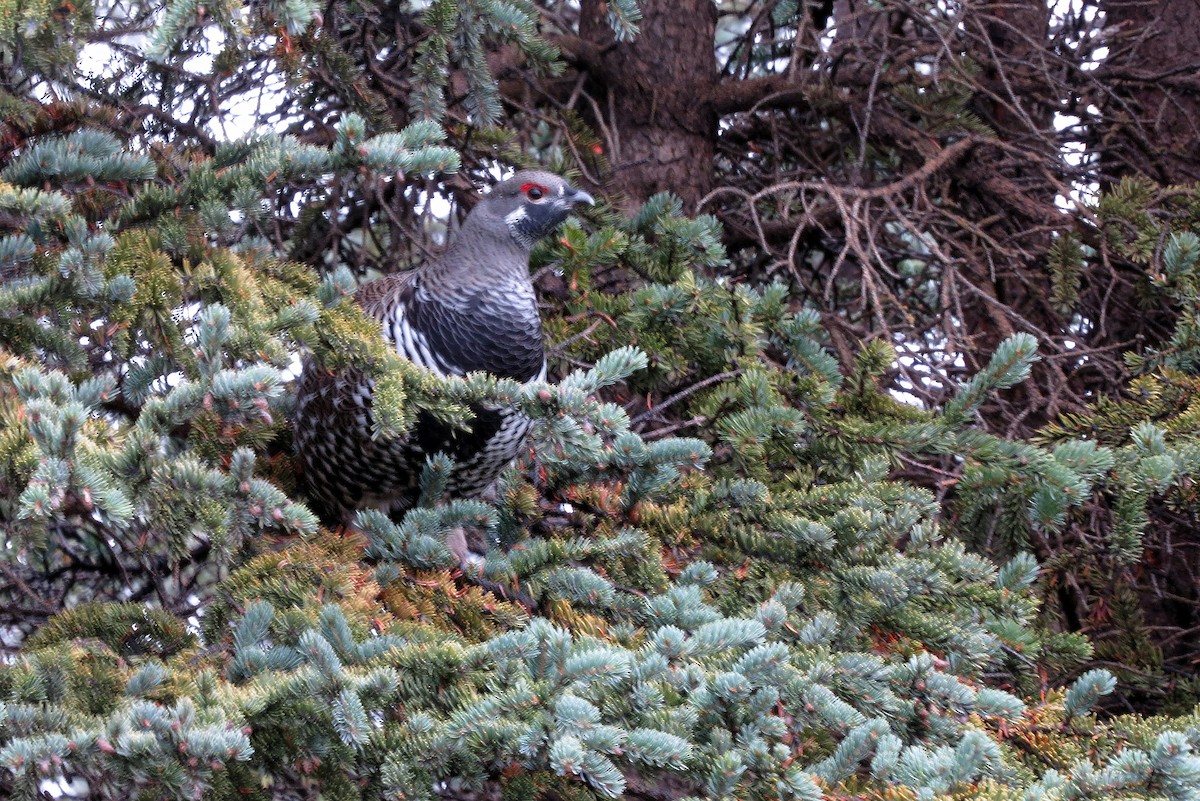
(130, 630)
(710, 574)
(1139, 449)
(831, 611)
(44, 35)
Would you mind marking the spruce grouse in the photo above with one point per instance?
(473, 309)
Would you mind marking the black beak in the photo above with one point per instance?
(573, 196)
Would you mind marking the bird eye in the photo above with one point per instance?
(534, 191)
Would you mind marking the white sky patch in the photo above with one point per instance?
(913, 358)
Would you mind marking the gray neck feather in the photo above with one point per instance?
(484, 254)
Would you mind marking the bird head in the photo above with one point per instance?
(532, 204)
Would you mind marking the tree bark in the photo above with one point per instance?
(653, 99)
(1154, 68)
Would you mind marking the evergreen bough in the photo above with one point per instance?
(762, 609)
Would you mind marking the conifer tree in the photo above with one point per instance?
(708, 578)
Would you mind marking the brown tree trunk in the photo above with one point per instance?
(653, 99)
(1154, 68)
